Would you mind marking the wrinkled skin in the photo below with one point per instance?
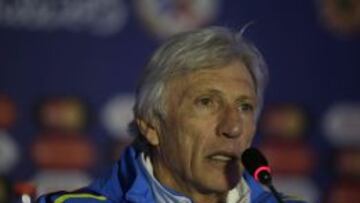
(209, 112)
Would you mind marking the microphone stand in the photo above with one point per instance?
(275, 193)
(256, 163)
(265, 178)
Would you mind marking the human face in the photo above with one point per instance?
(210, 121)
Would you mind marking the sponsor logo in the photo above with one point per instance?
(55, 180)
(167, 17)
(341, 16)
(341, 124)
(289, 157)
(287, 121)
(59, 151)
(7, 112)
(348, 162)
(63, 114)
(9, 153)
(116, 115)
(99, 17)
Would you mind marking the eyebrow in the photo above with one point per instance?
(246, 98)
(218, 92)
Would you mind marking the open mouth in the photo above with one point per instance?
(227, 165)
(223, 157)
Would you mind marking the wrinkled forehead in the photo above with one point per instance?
(230, 79)
(185, 73)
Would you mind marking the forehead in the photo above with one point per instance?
(231, 79)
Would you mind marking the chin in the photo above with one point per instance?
(220, 184)
(220, 179)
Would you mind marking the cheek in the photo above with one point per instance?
(194, 136)
(188, 136)
(180, 141)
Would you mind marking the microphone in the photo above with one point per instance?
(257, 165)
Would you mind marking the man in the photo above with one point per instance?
(195, 113)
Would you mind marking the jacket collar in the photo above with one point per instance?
(130, 180)
(125, 181)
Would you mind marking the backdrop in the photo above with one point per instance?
(87, 56)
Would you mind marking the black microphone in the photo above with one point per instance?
(257, 165)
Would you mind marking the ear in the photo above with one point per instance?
(148, 131)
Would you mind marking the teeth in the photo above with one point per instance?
(221, 158)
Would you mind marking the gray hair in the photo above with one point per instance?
(212, 47)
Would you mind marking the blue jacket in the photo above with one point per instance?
(128, 183)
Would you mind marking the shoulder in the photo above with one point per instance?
(73, 197)
(123, 181)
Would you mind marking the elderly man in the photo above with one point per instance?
(195, 113)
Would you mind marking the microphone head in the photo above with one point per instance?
(256, 164)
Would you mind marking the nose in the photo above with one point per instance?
(230, 124)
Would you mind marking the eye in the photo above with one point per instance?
(205, 101)
(246, 107)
